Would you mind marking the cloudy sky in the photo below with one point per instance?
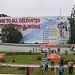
(22, 8)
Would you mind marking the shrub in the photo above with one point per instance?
(22, 53)
(36, 42)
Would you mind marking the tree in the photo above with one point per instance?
(72, 25)
(10, 34)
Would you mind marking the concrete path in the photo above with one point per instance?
(25, 65)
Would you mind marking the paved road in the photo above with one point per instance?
(34, 45)
(28, 47)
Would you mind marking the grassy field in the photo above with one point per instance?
(35, 71)
(31, 59)
(24, 59)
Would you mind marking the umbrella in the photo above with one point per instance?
(53, 57)
(1, 56)
(51, 44)
(43, 46)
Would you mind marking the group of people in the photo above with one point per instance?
(70, 67)
(44, 66)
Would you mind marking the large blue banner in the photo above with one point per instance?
(40, 29)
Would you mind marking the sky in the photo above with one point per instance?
(23, 8)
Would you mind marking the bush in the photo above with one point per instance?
(22, 53)
(36, 42)
(22, 42)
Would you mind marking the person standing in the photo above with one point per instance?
(46, 53)
(58, 49)
(62, 61)
(61, 70)
(46, 65)
(27, 72)
(42, 66)
(52, 64)
(71, 64)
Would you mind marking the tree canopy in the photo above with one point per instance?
(72, 25)
(11, 34)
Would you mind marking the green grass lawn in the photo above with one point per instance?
(31, 59)
(35, 71)
(23, 59)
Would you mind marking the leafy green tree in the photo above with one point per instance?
(72, 25)
(11, 34)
